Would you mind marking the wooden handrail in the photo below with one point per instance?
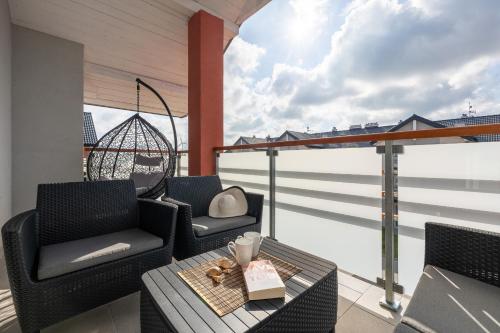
(129, 150)
(464, 131)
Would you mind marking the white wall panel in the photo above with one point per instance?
(5, 113)
(47, 113)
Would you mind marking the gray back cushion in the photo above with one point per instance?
(71, 211)
(197, 191)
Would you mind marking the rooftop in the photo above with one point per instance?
(371, 128)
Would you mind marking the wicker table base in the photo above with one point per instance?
(310, 305)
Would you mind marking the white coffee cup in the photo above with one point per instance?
(256, 239)
(242, 250)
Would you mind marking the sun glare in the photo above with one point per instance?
(308, 16)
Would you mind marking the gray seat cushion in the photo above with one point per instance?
(449, 302)
(205, 225)
(402, 328)
(62, 258)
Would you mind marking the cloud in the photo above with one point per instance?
(389, 59)
(308, 20)
(242, 57)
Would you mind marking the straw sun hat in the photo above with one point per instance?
(229, 203)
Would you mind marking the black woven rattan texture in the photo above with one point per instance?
(315, 311)
(85, 209)
(199, 191)
(42, 303)
(196, 191)
(114, 156)
(151, 320)
(470, 252)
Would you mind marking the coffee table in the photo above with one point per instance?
(310, 305)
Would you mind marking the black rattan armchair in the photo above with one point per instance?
(192, 195)
(461, 281)
(73, 215)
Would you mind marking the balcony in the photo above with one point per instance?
(362, 208)
(329, 202)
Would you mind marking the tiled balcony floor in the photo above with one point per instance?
(358, 311)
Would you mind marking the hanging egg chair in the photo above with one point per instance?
(135, 150)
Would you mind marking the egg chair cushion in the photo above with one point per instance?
(147, 180)
(154, 161)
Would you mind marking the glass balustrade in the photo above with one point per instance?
(329, 201)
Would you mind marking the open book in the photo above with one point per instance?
(262, 280)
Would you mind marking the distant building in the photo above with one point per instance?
(417, 123)
(412, 123)
(250, 140)
(294, 136)
(471, 121)
(89, 138)
(89, 134)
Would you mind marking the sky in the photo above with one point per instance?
(333, 63)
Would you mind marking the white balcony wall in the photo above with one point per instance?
(330, 217)
(5, 113)
(328, 202)
(458, 184)
(47, 113)
(184, 162)
(234, 169)
(337, 217)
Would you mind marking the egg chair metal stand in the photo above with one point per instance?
(136, 150)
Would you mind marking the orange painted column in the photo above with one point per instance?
(205, 91)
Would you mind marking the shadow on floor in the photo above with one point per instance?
(358, 311)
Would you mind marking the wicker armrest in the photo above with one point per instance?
(20, 242)
(470, 252)
(184, 212)
(255, 205)
(158, 218)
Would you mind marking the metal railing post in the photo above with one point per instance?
(179, 155)
(272, 153)
(216, 157)
(389, 221)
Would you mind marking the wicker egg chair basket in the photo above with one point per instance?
(136, 150)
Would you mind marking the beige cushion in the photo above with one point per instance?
(449, 302)
(62, 258)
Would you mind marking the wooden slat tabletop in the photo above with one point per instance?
(187, 312)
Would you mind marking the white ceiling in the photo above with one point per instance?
(125, 39)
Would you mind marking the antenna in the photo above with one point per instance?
(472, 112)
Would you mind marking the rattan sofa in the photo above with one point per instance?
(459, 290)
(195, 233)
(82, 217)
